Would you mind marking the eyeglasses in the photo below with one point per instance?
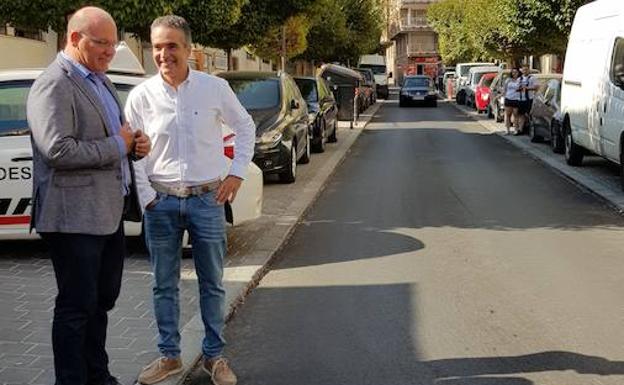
(102, 43)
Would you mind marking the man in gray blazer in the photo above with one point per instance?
(83, 187)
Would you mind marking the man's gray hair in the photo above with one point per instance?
(173, 21)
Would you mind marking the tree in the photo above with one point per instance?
(509, 30)
(328, 31)
(133, 16)
(291, 36)
(255, 22)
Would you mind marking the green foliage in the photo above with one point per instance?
(503, 29)
(296, 30)
(328, 31)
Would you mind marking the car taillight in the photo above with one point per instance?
(228, 146)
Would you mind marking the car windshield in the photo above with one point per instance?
(487, 82)
(256, 94)
(367, 75)
(478, 76)
(377, 69)
(465, 69)
(13, 97)
(417, 82)
(308, 89)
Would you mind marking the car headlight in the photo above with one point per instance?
(269, 138)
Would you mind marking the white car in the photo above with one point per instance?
(16, 153)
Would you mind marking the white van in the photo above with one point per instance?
(377, 63)
(592, 93)
(462, 70)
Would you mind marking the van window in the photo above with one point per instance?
(617, 63)
(13, 97)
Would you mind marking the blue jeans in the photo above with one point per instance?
(165, 223)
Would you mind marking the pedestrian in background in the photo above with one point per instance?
(528, 86)
(512, 100)
(181, 188)
(83, 185)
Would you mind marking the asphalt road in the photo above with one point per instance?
(439, 254)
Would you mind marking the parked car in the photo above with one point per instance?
(461, 79)
(377, 63)
(418, 89)
(16, 152)
(474, 76)
(483, 91)
(322, 110)
(448, 79)
(496, 108)
(545, 115)
(592, 94)
(281, 116)
(369, 85)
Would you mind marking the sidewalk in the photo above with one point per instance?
(597, 175)
(28, 288)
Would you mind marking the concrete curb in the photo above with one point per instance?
(242, 279)
(602, 188)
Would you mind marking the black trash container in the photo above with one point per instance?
(344, 82)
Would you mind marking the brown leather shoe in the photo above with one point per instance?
(219, 370)
(160, 369)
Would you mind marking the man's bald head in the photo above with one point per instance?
(84, 18)
(91, 38)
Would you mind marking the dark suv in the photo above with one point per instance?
(281, 117)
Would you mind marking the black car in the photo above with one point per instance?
(322, 110)
(418, 89)
(545, 117)
(281, 116)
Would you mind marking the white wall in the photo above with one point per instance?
(18, 52)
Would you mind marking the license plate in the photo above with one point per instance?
(418, 97)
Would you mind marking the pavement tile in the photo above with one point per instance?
(15, 347)
(42, 362)
(13, 335)
(116, 341)
(39, 336)
(19, 375)
(16, 360)
(40, 349)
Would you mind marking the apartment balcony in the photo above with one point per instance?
(414, 24)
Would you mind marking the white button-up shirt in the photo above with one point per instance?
(185, 128)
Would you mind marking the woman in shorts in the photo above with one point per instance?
(512, 100)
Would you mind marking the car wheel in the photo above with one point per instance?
(320, 146)
(290, 174)
(460, 98)
(532, 133)
(499, 115)
(305, 158)
(333, 137)
(573, 152)
(556, 141)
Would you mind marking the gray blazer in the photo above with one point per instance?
(77, 168)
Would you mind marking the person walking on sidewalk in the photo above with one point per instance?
(180, 187)
(83, 185)
(528, 86)
(512, 100)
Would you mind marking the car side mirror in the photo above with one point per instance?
(619, 80)
(294, 105)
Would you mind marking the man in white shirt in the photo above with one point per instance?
(180, 188)
(527, 91)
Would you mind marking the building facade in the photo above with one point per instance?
(415, 48)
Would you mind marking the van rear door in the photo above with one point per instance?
(611, 106)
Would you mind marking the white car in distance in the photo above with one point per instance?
(16, 152)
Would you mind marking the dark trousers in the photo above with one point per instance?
(88, 271)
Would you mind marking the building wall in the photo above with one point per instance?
(19, 52)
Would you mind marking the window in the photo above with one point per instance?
(256, 94)
(308, 89)
(617, 63)
(13, 108)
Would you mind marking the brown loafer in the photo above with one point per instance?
(219, 371)
(160, 369)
